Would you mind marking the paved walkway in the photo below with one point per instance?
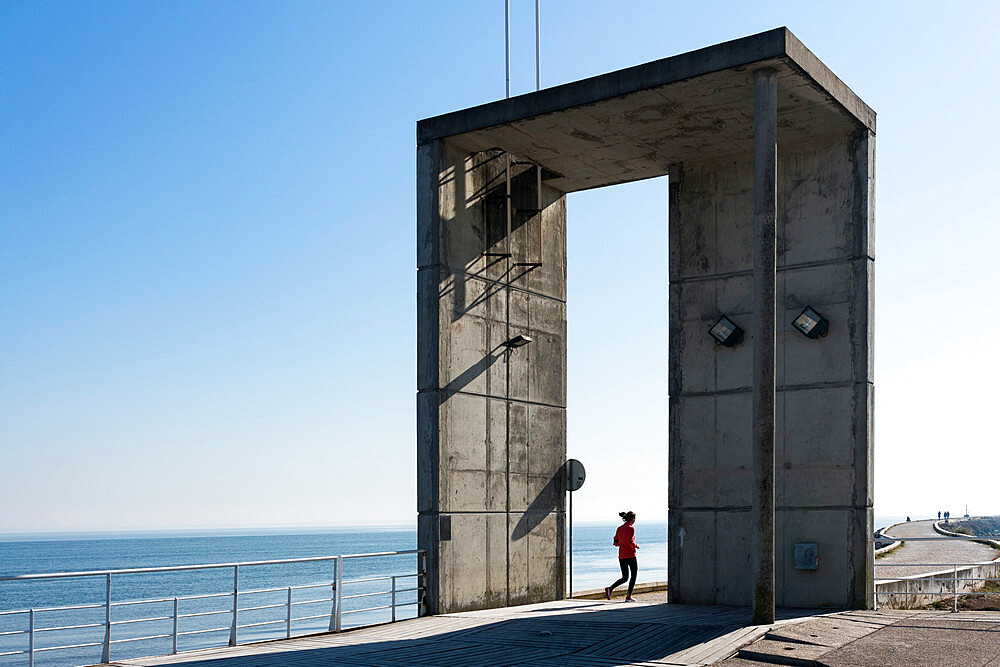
(590, 633)
(878, 639)
(936, 552)
(585, 633)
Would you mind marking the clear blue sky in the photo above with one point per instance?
(207, 269)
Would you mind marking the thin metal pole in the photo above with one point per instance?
(538, 48)
(570, 544)
(106, 654)
(538, 205)
(506, 40)
(394, 598)
(31, 638)
(765, 147)
(236, 604)
(333, 606)
(507, 178)
(288, 614)
(874, 583)
(175, 625)
(338, 605)
(954, 587)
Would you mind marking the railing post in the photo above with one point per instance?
(175, 625)
(236, 604)
(954, 587)
(339, 596)
(332, 627)
(394, 598)
(31, 638)
(874, 582)
(288, 614)
(106, 654)
(422, 584)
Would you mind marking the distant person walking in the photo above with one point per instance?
(625, 541)
(939, 515)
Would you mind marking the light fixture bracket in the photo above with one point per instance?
(519, 340)
(726, 332)
(810, 323)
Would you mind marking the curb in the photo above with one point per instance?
(598, 593)
(891, 547)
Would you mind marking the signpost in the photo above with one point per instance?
(576, 475)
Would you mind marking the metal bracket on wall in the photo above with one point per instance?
(510, 211)
(533, 212)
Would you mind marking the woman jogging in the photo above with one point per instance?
(625, 541)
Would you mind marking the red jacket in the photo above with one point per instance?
(625, 541)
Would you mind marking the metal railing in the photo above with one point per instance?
(335, 615)
(935, 585)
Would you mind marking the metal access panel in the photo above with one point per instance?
(806, 556)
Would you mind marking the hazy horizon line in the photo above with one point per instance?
(231, 531)
(269, 529)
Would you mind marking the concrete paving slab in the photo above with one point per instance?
(829, 632)
(879, 639)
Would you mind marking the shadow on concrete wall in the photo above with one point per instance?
(546, 502)
(490, 222)
(463, 379)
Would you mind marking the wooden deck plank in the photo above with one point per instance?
(565, 632)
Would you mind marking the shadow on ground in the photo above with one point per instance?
(573, 635)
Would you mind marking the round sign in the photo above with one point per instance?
(575, 474)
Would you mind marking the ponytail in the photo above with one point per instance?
(627, 516)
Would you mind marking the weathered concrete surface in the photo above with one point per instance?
(823, 439)
(920, 640)
(879, 638)
(491, 420)
(765, 163)
(636, 122)
(491, 424)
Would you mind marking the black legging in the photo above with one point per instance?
(627, 564)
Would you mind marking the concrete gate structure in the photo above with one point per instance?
(763, 145)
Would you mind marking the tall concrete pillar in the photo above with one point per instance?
(491, 420)
(765, 154)
(770, 440)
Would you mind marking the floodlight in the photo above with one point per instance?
(726, 332)
(518, 341)
(810, 323)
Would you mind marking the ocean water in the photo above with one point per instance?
(594, 565)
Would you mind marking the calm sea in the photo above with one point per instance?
(594, 566)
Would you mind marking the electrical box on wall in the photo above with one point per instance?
(806, 556)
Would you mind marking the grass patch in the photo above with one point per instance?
(888, 553)
(972, 602)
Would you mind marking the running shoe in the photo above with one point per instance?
(629, 599)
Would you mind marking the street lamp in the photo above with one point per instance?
(519, 340)
(726, 332)
(810, 323)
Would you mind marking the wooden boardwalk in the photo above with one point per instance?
(584, 633)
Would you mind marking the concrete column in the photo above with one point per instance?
(764, 265)
(491, 420)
